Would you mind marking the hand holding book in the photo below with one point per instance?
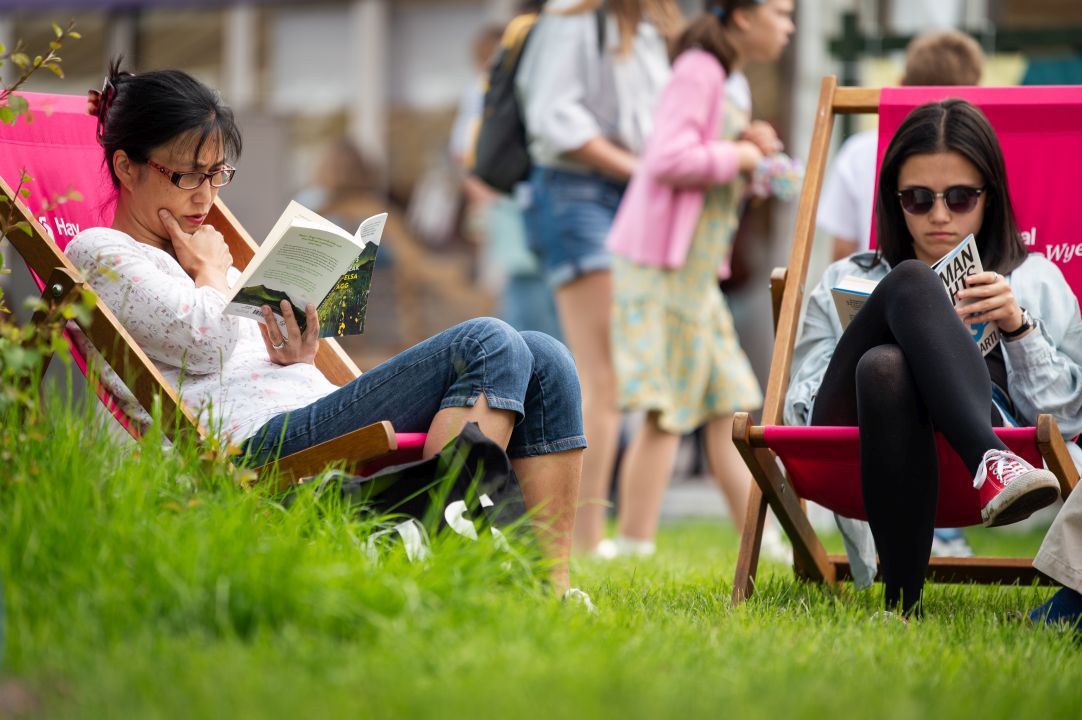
(957, 268)
(307, 259)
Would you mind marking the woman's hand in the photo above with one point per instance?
(989, 298)
(294, 346)
(748, 155)
(764, 136)
(203, 254)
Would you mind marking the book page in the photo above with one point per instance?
(301, 266)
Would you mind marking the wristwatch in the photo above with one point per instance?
(1027, 324)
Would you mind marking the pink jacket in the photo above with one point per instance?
(661, 207)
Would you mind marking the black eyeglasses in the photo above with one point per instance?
(192, 180)
(958, 199)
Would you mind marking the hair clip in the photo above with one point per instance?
(105, 99)
(719, 12)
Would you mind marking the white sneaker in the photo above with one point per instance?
(955, 547)
(604, 550)
(774, 548)
(574, 596)
(630, 547)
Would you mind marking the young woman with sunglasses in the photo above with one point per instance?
(907, 366)
(163, 271)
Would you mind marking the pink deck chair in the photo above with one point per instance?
(58, 150)
(822, 464)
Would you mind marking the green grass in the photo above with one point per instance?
(146, 583)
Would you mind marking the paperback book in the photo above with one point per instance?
(309, 259)
(963, 260)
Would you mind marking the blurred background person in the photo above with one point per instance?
(588, 83)
(493, 220)
(678, 357)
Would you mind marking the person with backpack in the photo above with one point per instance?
(588, 80)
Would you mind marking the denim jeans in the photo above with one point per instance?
(528, 373)
(568, 220)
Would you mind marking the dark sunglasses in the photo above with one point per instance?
(958, 199)
(192, 180)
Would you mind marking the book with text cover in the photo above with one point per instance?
(953, 268)
(308, 259)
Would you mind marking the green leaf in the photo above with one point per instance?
(75, 36)
(7, 115)
(57, 71)
(75, 196)
(25, 192)
(20, 59)
(57, 31)
(24, 226)
(18, 104)
(55, 45)
(3, 48)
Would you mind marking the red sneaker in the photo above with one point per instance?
(1011, 489)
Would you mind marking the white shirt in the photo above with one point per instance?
(571, 92)
(218, 363)
(845, 207)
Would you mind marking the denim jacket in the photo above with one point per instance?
(1044, 368)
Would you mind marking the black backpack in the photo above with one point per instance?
(501, 156)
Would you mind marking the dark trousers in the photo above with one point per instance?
(905, 367)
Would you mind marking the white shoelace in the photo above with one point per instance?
(1008, 467)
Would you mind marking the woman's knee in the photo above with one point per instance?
(911, 276)
(882, 369)
(498, 340)
(554, 366)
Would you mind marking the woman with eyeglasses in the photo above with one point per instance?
(164, 272)
(907, 365)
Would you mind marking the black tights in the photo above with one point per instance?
(904, 368)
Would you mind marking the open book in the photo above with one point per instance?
(851, 292)
(308, 259)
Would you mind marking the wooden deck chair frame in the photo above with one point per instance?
(810, 559)
(105, 332)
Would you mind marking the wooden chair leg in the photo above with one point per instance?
(747, 562)
(810, 559)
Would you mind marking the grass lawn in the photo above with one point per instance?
(145, 583)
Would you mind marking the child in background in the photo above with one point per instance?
(677, 356)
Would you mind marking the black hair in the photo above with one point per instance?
(936, 127)
(138, 113)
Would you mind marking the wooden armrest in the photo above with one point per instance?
(1056, 456)
(349, 451)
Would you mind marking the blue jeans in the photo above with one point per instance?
(568, 220)
(528, 373)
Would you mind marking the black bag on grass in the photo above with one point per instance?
(470, 478)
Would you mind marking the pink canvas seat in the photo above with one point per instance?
(1040, 130)
(70, 191)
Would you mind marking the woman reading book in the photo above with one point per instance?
(907, 365)
(165, 273)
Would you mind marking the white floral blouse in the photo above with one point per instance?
(218, 362)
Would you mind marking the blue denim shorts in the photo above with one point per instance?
(528, 373)
(568, 220)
